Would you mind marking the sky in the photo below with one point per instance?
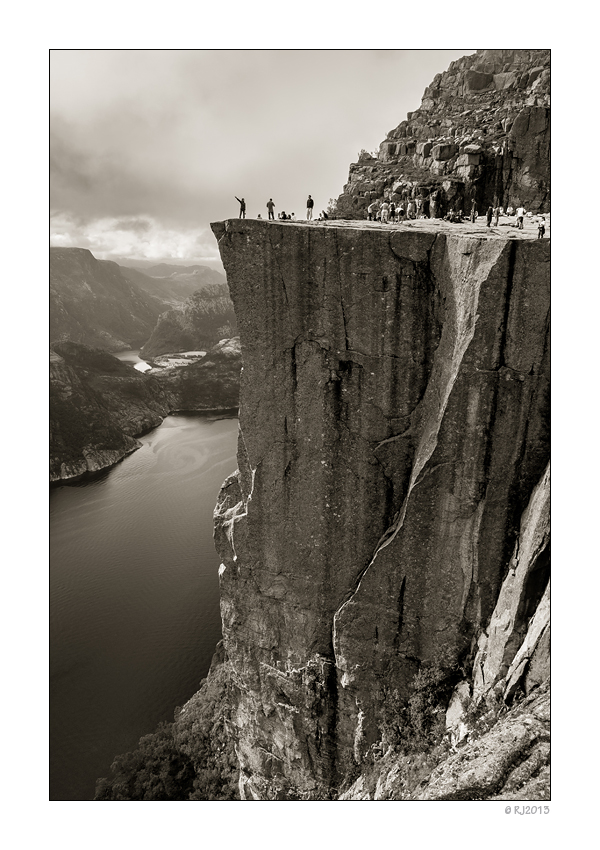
(147, 147)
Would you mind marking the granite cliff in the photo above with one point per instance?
(385, 539)
(482, 133)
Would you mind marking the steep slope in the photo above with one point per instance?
(92, 303)
(393, 426)
(482, 133)
(198, 324)
(98, 404)
(172, 284)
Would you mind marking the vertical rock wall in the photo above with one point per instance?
(394, 398)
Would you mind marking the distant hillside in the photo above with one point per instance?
(172, 284)
(201, 273)
(205, 318)
(93, 303)
(99, 405)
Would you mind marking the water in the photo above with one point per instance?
(130, 356)
(134, 599)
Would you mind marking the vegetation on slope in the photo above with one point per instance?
(190, 759)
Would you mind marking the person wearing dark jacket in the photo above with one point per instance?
(489, 215)
(242, 204)
(309, 208)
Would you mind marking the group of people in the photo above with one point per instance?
(389, 211)
(282, 216)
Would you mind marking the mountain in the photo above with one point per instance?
(385, 541)
(482, 133)
(93, 303)
(99, 405)
(198, 324)
(172, 284)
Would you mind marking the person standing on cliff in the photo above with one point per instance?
(271, 207)
(541, 228)
(385, 210)
(520, 216)
(473, 212)
(372, 211)
(496, 216)
(488, 216)
(309, 208)
(242, 204)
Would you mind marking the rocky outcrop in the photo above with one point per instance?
(482, 133)
(99, 405)
(92, 303)
(393, 426)
(507, 757)
(209, 383)
(199, 323)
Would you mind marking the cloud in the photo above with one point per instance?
(139, 237)
(171, 136)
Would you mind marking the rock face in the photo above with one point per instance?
(482, 133)
(203, 319)
(92, 303)
(393, 426)
(98, 404)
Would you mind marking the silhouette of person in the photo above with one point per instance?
(242, 204)
(309, 208)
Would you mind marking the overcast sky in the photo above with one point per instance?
(149, 146)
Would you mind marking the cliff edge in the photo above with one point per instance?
(393, 430)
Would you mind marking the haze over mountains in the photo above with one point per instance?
(98, 405)
(172, 284)
(102, 304)
(93, 303)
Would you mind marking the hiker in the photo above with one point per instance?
(392, 211)
(473, 212)
(496, 216)
(309, 208)
(401, 211)
(541, 228)
(410, 210)
(488, 216)
(271, 207)
(385, 211)
(372, 211)
(242, 204)
(520, 215)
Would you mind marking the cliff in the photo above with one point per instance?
(99, 405)
(482, 133)
(386, 529)
(92, 303)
